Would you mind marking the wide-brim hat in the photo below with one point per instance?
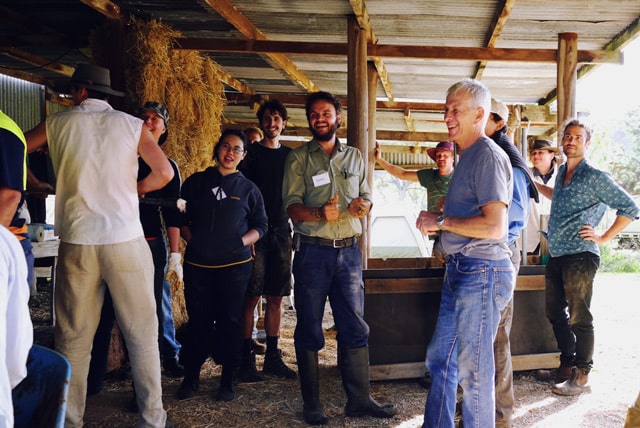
(444, 145)
(543, 145)
(93, 77)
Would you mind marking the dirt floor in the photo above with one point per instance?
(615, 381)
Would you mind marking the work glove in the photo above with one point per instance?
(175, 265)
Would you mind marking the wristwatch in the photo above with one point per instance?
(440, 221)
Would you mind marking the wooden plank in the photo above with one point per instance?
(417, 369)
(397, 371)
(403, 285)
(434, 285)
(535, 361)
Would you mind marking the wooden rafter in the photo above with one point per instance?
(236, 18)
(38, 61)
(499, 22)
(362, 16)
(394, 51)
(105, 7)
(408, 119)
(617, 43)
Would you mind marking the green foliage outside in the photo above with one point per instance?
(615, 148)
(617, 260)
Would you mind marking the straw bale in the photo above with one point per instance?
(186, 82)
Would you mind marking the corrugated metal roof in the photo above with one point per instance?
(58, 31)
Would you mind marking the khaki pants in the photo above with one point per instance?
(127, 269)
(633, 415)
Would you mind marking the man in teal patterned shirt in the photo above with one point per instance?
(580, 198)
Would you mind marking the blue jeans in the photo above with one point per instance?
(27, 246)
(169, 346)
(569, 287)
(474, 292)
(322, 272)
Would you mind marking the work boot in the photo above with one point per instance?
(577, 383)
(354, 366)
(310, 387)
(258, 347)
(189, 385)
(172, 367)
(563, 373)
(273, 365)
(228, 382)
(248, 372)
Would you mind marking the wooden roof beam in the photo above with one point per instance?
(499, 22)
(300, 100)
(395, 51)
(236, 18)
(408, 119)
(617, 43)
(362, 16)
(37, 61)
(105, 7)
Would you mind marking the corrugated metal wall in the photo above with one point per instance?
(22, 101)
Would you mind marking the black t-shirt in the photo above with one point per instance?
(265, 167)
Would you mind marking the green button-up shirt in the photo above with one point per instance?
(311, 178)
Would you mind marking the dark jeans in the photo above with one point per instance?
(321, 272)
(569, 287)
(214, 299)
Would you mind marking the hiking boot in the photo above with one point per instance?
(577, 383)
(248, 372)
(172, 367)
(273, 365)
(257, 347)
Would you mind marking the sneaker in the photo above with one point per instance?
(258, 348)
(172, 367)
(248, 372)
(273, 365)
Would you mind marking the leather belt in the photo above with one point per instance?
(335, 243)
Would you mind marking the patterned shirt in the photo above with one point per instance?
(583, 200)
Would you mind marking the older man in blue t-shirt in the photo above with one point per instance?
(479, 277)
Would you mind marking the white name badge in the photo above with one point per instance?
(321, 179)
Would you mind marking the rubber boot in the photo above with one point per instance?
(228, 382)
(355, 380)
(190, 383)
(310, 387)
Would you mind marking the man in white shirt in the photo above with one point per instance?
(16, 330)
(94, 150)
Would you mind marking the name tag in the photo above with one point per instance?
(321, 179)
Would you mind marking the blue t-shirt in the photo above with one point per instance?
(583, 200)
(483, 175)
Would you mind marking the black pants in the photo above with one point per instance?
(214, 299)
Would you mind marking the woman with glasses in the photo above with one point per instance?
(224, 217)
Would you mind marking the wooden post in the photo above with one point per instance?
(372, 87)
(358, 105)
(567, 78)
